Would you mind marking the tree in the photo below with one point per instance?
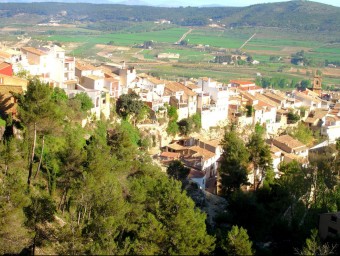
(14, 235)
(167, 222)
(237, 242)
(39, 113)
(305, 84)
(173, 127)
(172, 113)
(302, 133)
(325, 179)
(297, 181)
(177, 170)
(148, 44)
(40, 211)
(197, 122)
(8, 152)
(183, 42)
(260, 156)
(313, 246)
(72, 158)
(129, 105)
(185, 126)
(292, 117)
(234, 163)
(85, 101)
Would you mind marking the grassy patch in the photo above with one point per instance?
(2, 123)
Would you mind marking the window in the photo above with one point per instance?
(332, 231)
(334, 218)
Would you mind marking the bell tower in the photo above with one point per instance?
(317, 85)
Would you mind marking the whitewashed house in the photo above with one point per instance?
(213, 103)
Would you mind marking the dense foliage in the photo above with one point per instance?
(72, 190)
(280, 215)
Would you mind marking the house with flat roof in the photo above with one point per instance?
(51, 65)
(329, 224)
(213, 103)
(181, 97)
(292, 149)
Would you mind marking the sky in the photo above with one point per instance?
(236, 2)
(183, 2)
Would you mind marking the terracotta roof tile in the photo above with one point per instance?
(201, 152)
(34, 51)
(289, 142)
(175, 87)
(85, 66)
(176, 146)
(170, 154)
(4, 65)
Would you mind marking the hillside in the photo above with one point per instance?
(296, 15)
(301, 15)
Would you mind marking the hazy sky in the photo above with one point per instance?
(239, 2)
(185, 2)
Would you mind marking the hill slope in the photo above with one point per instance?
(297, 15)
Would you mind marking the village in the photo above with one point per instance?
(239, 102)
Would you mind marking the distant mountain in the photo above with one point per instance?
(174, 3)
(131, 2)
(306, 15)
(59, 1)
(296, 15)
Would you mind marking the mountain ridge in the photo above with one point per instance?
(297, 15)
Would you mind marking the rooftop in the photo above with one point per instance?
(175, 87)
(274, 95)
(170, 154)
(34, 51)
(242, 82)
(307, 97)
(289, 142)
(176, 146)
(201, 152)
(316, 115)
(93, 77)
(85, 66)
(4, 65)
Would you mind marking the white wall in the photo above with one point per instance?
(200, 182)
(215, 116)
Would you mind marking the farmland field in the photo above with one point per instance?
(203, 44)
(125, 39)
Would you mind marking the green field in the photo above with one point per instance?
(124, 39)
(194, 61)
(216, 38)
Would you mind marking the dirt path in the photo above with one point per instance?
(184, 36)
(247, 41)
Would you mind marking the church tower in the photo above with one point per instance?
(317, 85)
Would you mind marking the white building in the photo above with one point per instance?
(182, 98)
(51, 64)
(213, 103)
(308, 99)
(331, 127)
